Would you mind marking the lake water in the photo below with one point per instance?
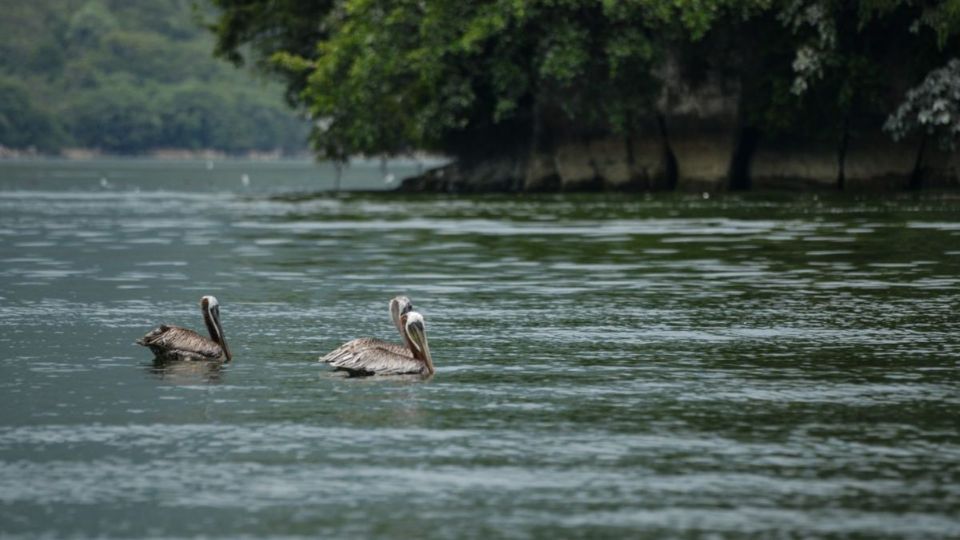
(608, 365)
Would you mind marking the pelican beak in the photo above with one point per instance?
(223, 340)
(414, 331)
(418, 336)
(223, 343)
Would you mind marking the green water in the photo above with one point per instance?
(608, 365)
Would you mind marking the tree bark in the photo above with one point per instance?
(671, 171)
(632, 179)
(739, 172)
(541, 147)
(916, 177)
(842, 153)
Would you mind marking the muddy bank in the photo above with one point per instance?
(692, 159)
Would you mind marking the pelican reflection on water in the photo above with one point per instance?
(185, 373)
(175, 343)
(369, 356)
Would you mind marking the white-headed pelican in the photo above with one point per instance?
(369, 356)
(175, 343)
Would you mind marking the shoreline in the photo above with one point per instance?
(7, 155)
(438, 176)
(82, 154)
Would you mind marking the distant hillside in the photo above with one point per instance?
(129, 77)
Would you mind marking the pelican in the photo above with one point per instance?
(175, 343)
(399, 306)
(368, 356)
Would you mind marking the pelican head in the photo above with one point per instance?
(211, 316)
(399, 306)
(413, 322)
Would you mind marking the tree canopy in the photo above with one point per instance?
(390, 76)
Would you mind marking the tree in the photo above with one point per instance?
(851, 58)
(22, 123)
(388, 76)
(933, 109)
(262, 28)
(121, 76)
(122, 120)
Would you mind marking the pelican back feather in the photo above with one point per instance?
(367, 356)
(175, 343)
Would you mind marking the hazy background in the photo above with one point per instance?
(123, 77)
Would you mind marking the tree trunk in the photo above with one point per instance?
(842, 152)
(739, 172)
(635, 180)
(540, 170)
(916, 177)
(671, 170)
(632, 179)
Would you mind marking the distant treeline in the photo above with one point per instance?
(128, 77)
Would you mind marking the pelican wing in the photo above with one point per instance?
(182, 341)
(372, 356)
(351, 347)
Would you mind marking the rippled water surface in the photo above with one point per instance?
(608, 365)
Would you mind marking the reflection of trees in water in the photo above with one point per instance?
(181, 372)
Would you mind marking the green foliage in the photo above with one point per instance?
(265, 27)
(943, 18)
(389, 76)
(932, 108)
(127, 77)
(89, 24)
(385, 76)
(851, 61)
(121, 121)
(23, 125)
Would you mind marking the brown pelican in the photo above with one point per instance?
(368, 356)
(175, 343)
(399, 306)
